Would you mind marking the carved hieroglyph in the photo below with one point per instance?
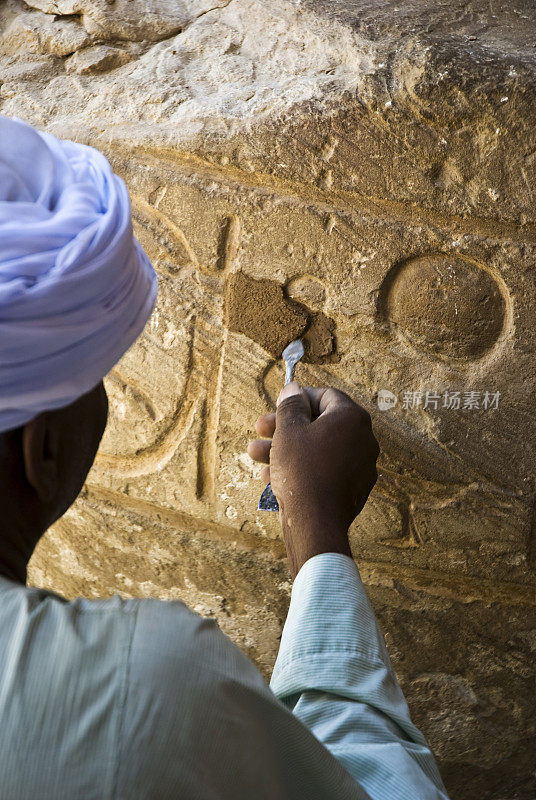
(361, 174)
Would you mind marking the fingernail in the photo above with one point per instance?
(287, 391)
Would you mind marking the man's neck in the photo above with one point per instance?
(16, 574)
(15, 553)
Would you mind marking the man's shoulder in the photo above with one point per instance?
(38, 609)
(153, 636)
(151, 614)
(163, 630)
(170, 630)
(115, 605)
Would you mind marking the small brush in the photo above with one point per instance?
(291, 355)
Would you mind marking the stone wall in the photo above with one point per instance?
(362, 174)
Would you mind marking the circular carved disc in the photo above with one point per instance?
(444, 305)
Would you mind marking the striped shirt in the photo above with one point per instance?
(146, 700)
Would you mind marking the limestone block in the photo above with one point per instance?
(360, 174)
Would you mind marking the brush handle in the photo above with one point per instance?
(289, 373)
(268, 500)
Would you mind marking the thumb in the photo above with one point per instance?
(293, 406)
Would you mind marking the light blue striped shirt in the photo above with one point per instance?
(146, 700)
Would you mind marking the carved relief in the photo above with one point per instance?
(229, 368)
(444, 304)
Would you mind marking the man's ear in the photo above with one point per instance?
(40, 447)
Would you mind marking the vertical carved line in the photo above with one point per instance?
(230, 243)
(208, 443)
(208, 447)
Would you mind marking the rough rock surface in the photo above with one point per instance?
(374, 163)
(99, 58)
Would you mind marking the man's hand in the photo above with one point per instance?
(322, 458)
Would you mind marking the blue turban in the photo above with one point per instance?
(76, 287)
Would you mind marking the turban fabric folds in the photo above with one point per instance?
(76, 287)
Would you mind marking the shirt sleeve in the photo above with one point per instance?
(333, 671)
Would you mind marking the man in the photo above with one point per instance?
(142, 698)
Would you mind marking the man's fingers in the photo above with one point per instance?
(293, 407)
(259, 450)
(315, 394)
(326, 400)
(265, 425)
(298, 405)
(265, 474)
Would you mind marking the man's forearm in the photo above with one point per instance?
(310, 534)
(334, 672)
